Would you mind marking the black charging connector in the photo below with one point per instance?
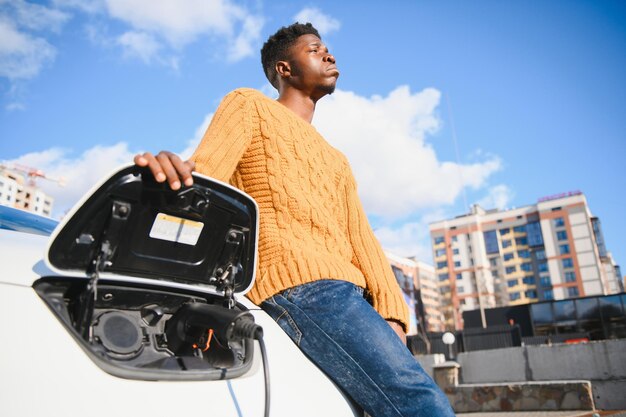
(193, 319)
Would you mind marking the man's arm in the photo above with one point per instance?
(369, 257)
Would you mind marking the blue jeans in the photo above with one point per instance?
(339, 331)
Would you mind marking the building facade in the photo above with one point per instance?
(551, 250)
(16, 191)
(419, 286)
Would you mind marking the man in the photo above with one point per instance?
(317, 252)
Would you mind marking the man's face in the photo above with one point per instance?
(313, 69)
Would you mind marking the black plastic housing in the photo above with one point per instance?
(127, 336)
(121, 217)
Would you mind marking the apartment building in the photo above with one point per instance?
(16, 191)
(419, 285)
(551, 250)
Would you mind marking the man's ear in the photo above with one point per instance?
(283, 69)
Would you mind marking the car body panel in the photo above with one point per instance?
(45, 371)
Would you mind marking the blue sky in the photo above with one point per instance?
(534, 92)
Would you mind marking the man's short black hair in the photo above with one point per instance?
(277, 45)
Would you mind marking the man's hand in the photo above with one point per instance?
(167, 166)
(397, 327)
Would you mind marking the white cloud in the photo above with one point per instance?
(88, 6)
(192, 143)
(15, 106)
(79, 173)
(37, 17)
(322, 22)
(408, 239)
(499, 196)
(139, 44)
(179, 23)
(384, 138)
(242, 45)
(22, 53)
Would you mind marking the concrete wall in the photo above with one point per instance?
(428, 361)
(603, 363)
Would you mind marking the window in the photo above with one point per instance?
(454, 238)
(530, 280)
(439, 252)
(524, 253)
(506, 243)
(457, 264)
(559, 222)
(548, 295)
(564, 249)
(540, 254)
(545, 281)
(531, 294)
(572, 292)
(521, 241)
(443, 277)
(491, 242)
(514, 296)
(493, 261)
(508, 256)
(439, 240)
(442, 264)
(510, 269)
(561, 235)
(570, 276)
(459, 289)
(455, 251)
(526, 267)
(534, 234)
(504, 231)
(459, 276)
(494, 273)
(444, 289)
(519, 229)
(567, 263)
(512, 283)
(542, 267)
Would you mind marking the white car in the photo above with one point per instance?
(135, 306)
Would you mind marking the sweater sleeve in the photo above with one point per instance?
(370, 259)
(226, 139)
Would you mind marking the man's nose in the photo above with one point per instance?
(329, 58)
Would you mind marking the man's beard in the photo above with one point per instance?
(328, 89)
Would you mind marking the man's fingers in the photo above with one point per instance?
(183, 168)
(165, 160)
(140, 160)
(167, 166)
(148, 160)
(192, 166)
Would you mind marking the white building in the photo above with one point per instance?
(16, 191)
(419, 284)
(550, 250)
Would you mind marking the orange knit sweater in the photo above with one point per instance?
(311, 222)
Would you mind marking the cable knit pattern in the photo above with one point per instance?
(312, 224)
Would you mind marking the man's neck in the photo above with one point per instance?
(301, 104)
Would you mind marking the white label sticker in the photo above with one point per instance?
(176, 229)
